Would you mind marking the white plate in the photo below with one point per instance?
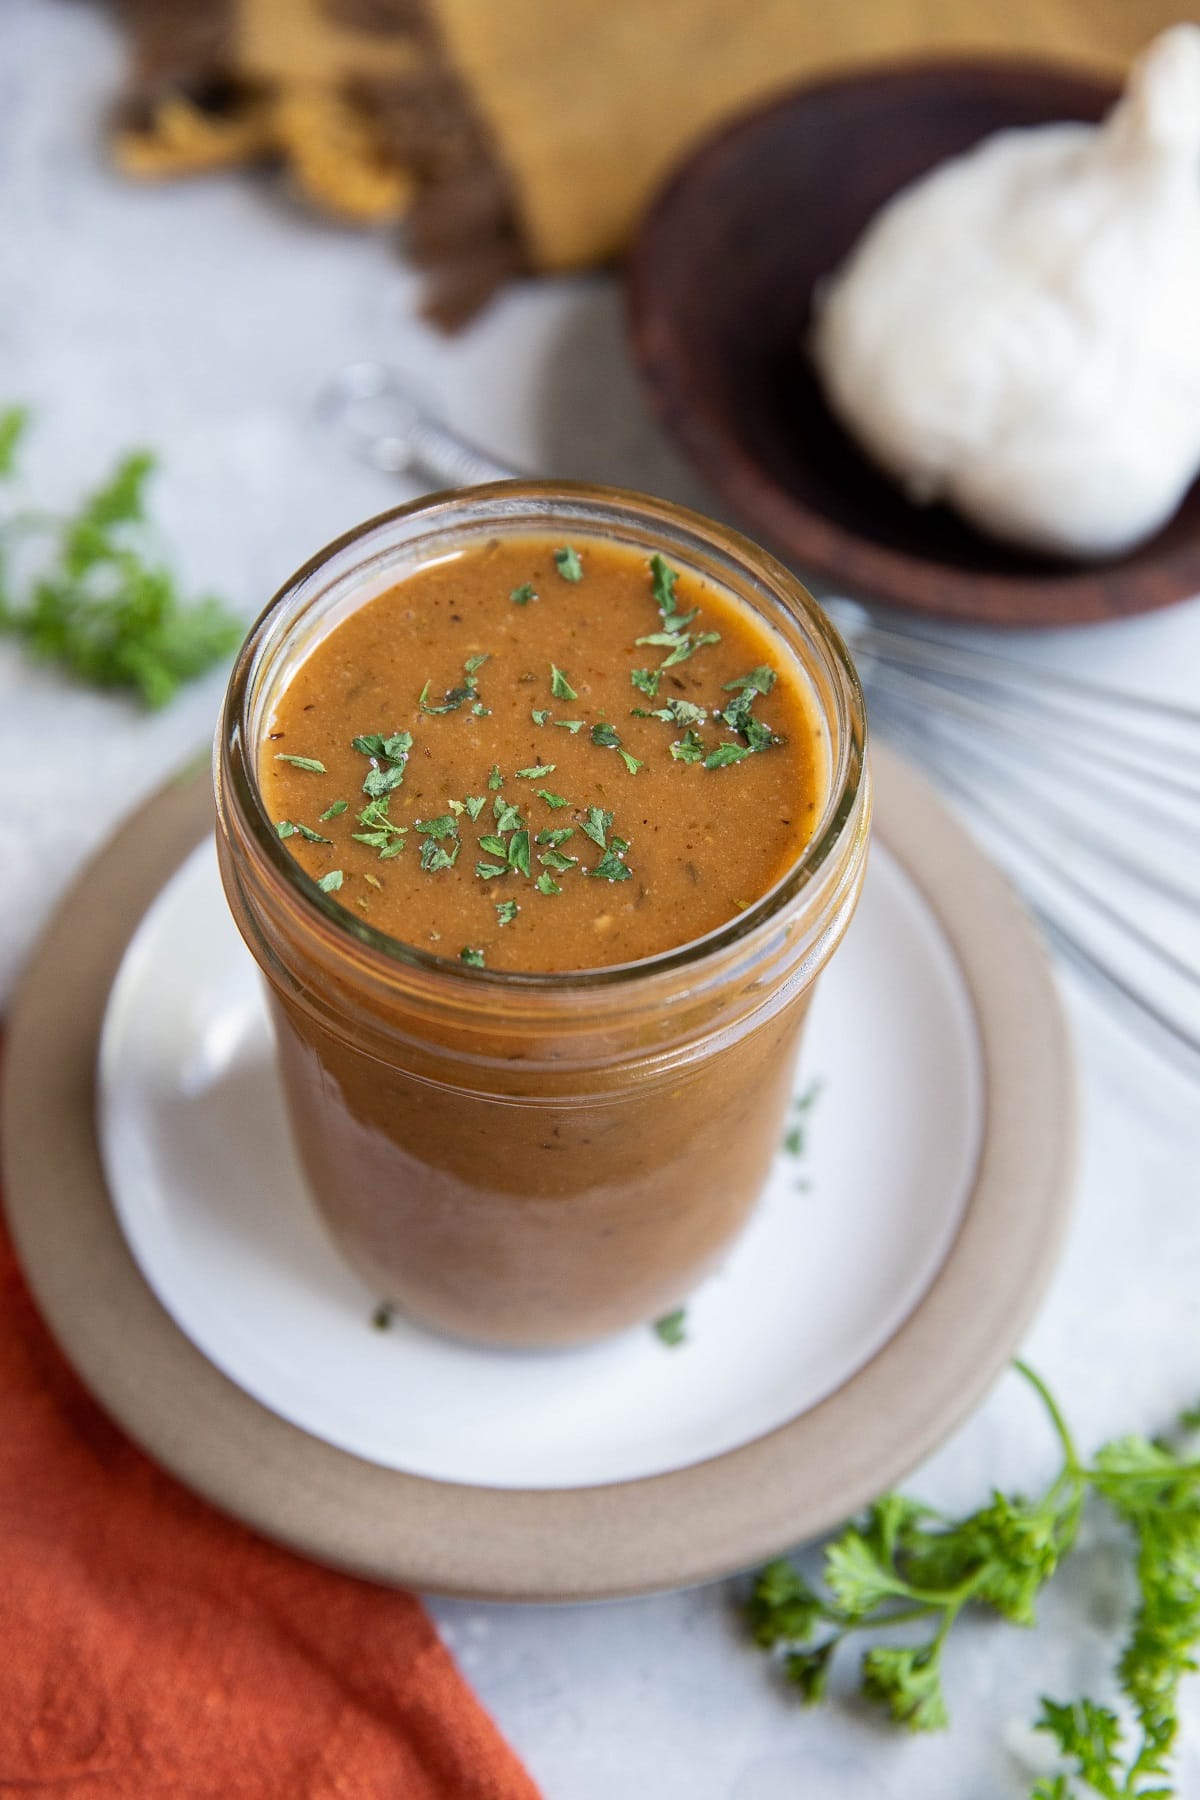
(844, 1243)
(896, 1284)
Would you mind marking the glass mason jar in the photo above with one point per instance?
(536, 1159)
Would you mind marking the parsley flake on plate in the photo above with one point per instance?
(670, 1328)
(567, 562)
(471, 956)
(560, 687)
(329, 884)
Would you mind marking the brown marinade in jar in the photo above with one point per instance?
(489, 761)
(535, 1050)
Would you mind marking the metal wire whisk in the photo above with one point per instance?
(1088, 796)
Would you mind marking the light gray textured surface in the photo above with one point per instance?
(199, 319)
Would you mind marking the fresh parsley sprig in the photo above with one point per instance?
(908, 1565)
(102, 607)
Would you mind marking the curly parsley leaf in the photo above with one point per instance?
(670, 1329)
(102, 608)
(905, 1566)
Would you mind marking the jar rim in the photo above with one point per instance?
(235, 760)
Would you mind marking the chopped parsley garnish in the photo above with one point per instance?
(674, 637)
(670, 1328)
(475, 804)
(302, 762)
(574, 726)
(455, 697)
(435, 856)
(518, 853)
(443, 826)
(554, 838)
(539, 715)
(489, 871)
(681, 644)
(724, 754)
(560, 687)
(292, 828)
(646, 681)
(536, 772)
(662, 584)
(388, 749)
(380, 780)
(335, 811)
(758, 681)
(472, 957)
(329, 884)
(521, 596)
(508, 816)
(606, 737)
(568, 564)
(596, 825)
(546, 884)
(632, 763)
(389, 758)
(495, 846)
(611, 868)
(689, 748)
(552, 800)
(675, 712)
(555, 859)
(506, 911)
(495, 779)
(378, 830)
(738, 712)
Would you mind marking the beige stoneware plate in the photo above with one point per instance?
(880, 1290)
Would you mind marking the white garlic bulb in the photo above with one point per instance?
(1018, 333)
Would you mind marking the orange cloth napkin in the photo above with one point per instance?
(153, 1650)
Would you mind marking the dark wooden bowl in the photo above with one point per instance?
(720, 284)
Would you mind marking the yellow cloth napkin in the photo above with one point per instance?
(528, 133)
